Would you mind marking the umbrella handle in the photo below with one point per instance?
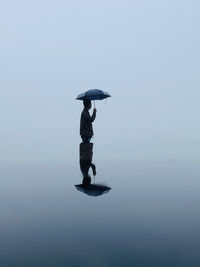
(94, 103)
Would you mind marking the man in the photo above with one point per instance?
(86, 130)
(86, 154)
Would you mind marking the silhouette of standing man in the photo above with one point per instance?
(86, 129)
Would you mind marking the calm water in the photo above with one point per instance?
(150, 217)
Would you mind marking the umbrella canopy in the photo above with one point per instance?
(93, 189)
(93, 94)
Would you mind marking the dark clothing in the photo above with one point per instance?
(86, 153)
(86, 129)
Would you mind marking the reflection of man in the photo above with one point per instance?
(86, 129)
(86, 153)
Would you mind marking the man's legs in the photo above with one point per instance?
(86, 139)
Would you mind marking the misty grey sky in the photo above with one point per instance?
(145, 53)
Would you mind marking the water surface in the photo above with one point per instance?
(150, 217)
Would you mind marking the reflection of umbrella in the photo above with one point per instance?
(93, 189)
(93, 94)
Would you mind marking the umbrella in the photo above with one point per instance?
(93, 94)
(93, 189)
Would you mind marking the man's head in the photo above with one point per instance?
(87, 180)
(87, 103)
